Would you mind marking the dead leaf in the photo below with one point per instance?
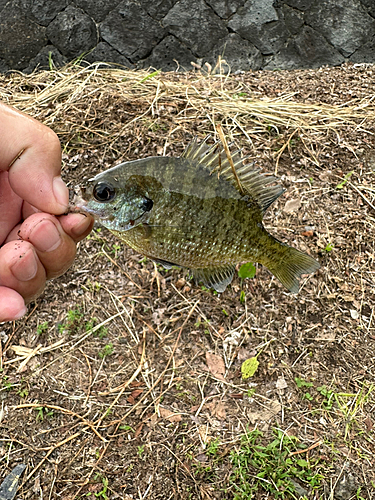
(180, 283)
(281, 383)
(158, 316)
(292, 206)
(369, 424)
(203, 432)
(169, 415)
(217, 409)
(308, 234)
(265, 414)
(136, 383)
(138, 430)
(137, 392)
(215, 365)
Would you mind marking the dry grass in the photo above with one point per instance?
(57, 96)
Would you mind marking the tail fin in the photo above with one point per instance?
(290, 267)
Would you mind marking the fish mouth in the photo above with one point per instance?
(79, 205)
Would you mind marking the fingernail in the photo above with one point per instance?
(20, 313)
(60, 191)
(81, 226)
(45, 236)
(25, 267)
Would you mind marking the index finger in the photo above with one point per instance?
(31, 153)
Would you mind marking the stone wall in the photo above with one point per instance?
(171, 34)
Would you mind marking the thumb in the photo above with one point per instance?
(31, 153)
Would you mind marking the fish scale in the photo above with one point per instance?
(191, 212)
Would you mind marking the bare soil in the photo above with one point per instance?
(124, 381)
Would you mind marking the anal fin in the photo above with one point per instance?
(217, 278)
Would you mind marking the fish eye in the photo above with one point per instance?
(103, 191)
(147, 204)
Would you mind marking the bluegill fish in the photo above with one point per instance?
(193, 212)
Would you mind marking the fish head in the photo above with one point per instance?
(118, 203)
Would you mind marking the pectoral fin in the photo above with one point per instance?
(165, 263)
(215, 277)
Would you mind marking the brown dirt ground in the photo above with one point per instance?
(135, 408)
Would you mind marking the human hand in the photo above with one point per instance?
(36, 242)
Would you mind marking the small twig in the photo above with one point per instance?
(126, 384)
(280, 152)
(121, 269)
(16, 158)
(306, 450)
(361, 195)
(63, 410)
(52, 449)
(90, 376)
(227, 152)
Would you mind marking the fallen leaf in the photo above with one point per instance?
(137, 392)
(292, 206)
(266, 414)
(217, 409)
(158, 316)
(136, 383)
(369, 424)
(249, 367)
(215, 365)
(138, 430)
(169, 415)
(281, 383)
(203, 432)
(180, 283)
(354, 314)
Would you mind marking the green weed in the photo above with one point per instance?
(42, 328)
(43, 412)
(106, 351)
(271, 467)
(103, 492)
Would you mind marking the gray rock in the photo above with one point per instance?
(170, 55)
(97, 9)
(157, 8)
(238, 53)
(258, 22)
(105, 53)
(345, 488)
(2, 4)
(3, 66)
(365, 54)
(131, 31)
(293, 19)
(344, 23)
(73, 32)
(42, 59)
(199, 28)
(302, 5)
(307, 50)
(21, 38)
(42, 11)
(225, 8)
(300, 491)
(370, 5)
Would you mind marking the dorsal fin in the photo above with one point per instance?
(252, 181)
